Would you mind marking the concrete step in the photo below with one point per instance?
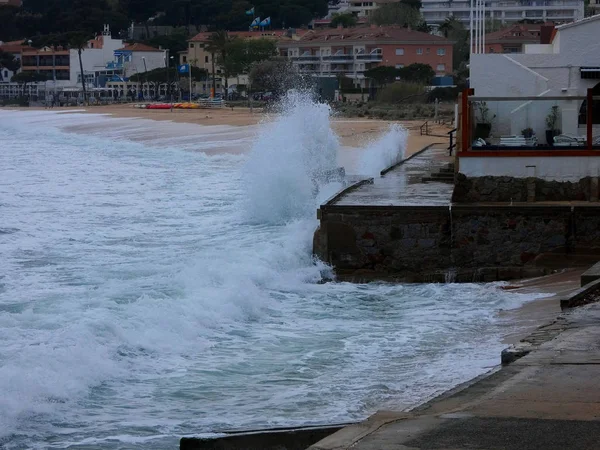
(438, 180)
(442, 176)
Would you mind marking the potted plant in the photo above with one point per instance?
(528, 133)
(552, 125)
(483, 124)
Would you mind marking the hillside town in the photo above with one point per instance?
(355, 47)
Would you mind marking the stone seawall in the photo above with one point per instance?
(510, 189)
(465, 242)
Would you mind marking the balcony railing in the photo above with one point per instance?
(370, 57)
(114, 65)
(343, 57)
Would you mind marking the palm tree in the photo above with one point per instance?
(449, 25)
(80, 42)
(217, 45)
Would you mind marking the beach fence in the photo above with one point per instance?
(211, 103)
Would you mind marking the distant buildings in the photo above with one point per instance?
(436, 12)
(514, 38)
(352, 51)
(331, 52)
(104, 59)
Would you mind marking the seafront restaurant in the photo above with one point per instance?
(533, 116)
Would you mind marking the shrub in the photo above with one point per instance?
(401, 92)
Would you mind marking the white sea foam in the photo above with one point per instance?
(138, 301)
(384, 152)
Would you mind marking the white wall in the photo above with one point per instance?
(154, 60)
(550, 168)
(93, 58)
(539, 74)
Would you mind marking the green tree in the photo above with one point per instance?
(79, 41)
(217, 46)
(382, 75)
(417, 73)
(243, 53)
(273, 75)
(345, 20)
(8, 61)
(398, 14)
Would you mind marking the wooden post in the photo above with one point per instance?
(590, 118)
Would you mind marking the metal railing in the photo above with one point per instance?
(452, 144)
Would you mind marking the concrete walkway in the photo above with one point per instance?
(403, 185)
(547, 400)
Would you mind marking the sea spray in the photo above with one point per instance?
(384, 152)
(288, 162)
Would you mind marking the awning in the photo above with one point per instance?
(590, 72)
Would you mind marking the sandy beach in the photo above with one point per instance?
(352, 132)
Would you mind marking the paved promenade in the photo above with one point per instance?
(547, 400)
(403, 185)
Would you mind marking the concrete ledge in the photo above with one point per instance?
(581, 296)
(393, 166)
(347, 189)
(592, 274)
(348, 436)
(273, 439)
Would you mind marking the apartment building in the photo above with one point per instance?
(595, 6)
(514, 38)
(61, 65)
(352, 51)
(197, 54)
(359, 8)
(506, 11)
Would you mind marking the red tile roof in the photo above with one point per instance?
(525, 33)
(274, 34)
(382, 34)
(137, 47)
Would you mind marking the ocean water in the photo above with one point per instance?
(156, 281)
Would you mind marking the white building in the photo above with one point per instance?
(566, 67)
(138, 58)
(506, 11)
(95, 58)
(557, 77)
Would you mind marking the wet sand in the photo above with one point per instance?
(543, 310)
(352, 132)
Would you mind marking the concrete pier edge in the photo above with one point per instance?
(417, 153)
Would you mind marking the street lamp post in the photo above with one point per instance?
(145, 75)
(168, 92)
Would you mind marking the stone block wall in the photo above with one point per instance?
(473, 242)
(507, 189)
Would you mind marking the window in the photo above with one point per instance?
(399, 66)
(184, 59)
(441, 67)
(419, 51)
(399, 51)
(441, 51)
(428, 51)
(206, 59)
(191, 45)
